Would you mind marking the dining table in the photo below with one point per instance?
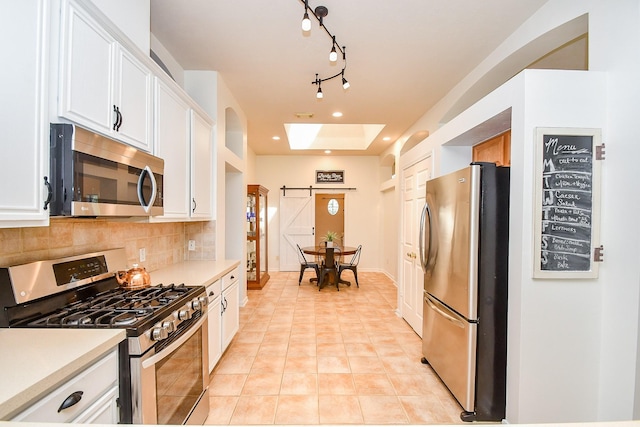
(327, 254)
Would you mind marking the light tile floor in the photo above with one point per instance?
(309, 357)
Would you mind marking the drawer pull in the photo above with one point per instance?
(71, 400)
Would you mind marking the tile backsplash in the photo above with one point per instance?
(164, 243)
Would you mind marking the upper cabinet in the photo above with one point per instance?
(102, 85)
(24, 148)
(172, 134)
(201, 167)
(183, 140)
(495, 150)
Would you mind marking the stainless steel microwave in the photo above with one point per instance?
(92, 175)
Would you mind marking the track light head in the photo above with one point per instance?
(306, 22)
(333, 55)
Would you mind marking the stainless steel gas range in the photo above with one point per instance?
(163, 363)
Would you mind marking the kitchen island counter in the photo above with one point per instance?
(193, 273)
(34, 361)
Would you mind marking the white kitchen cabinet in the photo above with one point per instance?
(201, 167)
(230, 307)
(172, 134)
(104, 411)
(91, 397)
(183, 140)
(24, 147)
(214, 296)
(102, 86)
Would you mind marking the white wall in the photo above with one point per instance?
(362, 219)
(573, 344)
(132, 17)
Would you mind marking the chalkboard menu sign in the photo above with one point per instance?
(567, 203)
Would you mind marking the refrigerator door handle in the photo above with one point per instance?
(427, 260)
(423, 260)
(457, 322)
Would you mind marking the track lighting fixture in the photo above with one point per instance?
(320, 12)
(319, 94)
(306, 22)
(333, 55)
(345, 83)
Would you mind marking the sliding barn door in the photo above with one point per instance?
(296, 227)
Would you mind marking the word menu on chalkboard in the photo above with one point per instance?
(567, 203)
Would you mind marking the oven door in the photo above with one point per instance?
(169, 383)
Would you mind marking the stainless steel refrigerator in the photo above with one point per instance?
(464, 239)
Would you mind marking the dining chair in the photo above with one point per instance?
(351, 265)
(304, 264)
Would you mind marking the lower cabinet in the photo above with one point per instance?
(230, 308)
(89, 397)
(224, 314)
(215, 320)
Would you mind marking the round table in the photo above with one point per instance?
(319, 250)
(327, 252)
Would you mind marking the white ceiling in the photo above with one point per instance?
(402, 57)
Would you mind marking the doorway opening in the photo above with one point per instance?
(329, 216)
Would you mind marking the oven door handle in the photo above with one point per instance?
(177, 343)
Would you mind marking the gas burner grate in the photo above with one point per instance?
(117, 307)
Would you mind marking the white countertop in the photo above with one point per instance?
(34, 361)
(193, 273)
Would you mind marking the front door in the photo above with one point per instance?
(329, 216)
(414, 180)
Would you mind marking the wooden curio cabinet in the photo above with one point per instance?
(257, 237)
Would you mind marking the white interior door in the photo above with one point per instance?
(414, 180)
(296, 227)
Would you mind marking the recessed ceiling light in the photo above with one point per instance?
(386, 138)
(337, 114)
(275, 138)
(327, 151)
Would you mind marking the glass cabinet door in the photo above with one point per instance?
(257, 237)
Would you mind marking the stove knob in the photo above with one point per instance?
(169, 325)
(204, 301)
(184, 314)
(195, 304)
(159, 334)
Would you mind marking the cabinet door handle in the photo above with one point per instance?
(71, 400)
(49, 193)
(115, 123)
(119, 119)
(194, 205)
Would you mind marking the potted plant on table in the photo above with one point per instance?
(329, 238)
